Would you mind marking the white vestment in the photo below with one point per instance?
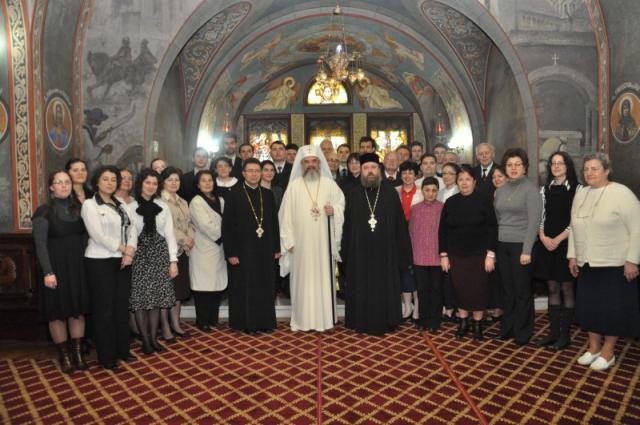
(311, 272)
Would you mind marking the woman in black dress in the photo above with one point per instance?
(61, 238)
(467, 242)
(552, 264)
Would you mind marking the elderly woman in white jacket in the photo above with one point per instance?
(207, 266)
(155, 263)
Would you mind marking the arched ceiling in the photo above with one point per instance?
(418, 47)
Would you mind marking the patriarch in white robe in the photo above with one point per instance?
(311, 219)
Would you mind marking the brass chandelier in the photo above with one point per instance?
(338, 64)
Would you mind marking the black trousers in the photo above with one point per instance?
(110, 288)
(517, 291)
(207, 307)
(448, 293)
(430, 294)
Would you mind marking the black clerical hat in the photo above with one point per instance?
(369, 157)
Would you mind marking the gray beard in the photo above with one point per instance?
(311, 175)
(369, 183)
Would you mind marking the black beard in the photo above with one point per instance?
(370, 181)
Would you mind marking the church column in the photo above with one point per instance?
(20, 114)
(297, 129)
(358, 130)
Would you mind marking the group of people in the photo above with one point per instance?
(417, 236)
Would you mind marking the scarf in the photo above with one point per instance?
(148, 210)
(214, 203)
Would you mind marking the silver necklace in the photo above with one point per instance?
(372, 218)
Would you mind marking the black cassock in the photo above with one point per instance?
(374, 260)
(252, 282)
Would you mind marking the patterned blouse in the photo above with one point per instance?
(182, 225)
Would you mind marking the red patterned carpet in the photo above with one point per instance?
(336, 377)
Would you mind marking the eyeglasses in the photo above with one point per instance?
(514, 164)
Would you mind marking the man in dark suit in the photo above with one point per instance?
(390, 169)
(229, 146)
(283, 168)
(483, 172)
(188, 180)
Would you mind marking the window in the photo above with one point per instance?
(323, 94)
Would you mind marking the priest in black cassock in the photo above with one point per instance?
(251, 241)
(375, 249)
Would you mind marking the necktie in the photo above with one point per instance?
(279, 170)
(484, 173)
(391, 179)
(344, 172)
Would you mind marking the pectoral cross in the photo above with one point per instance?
(315, 211)
(259, 231)
(555, 58)
(372, 222)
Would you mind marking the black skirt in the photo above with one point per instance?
(470, 282)
(181, 285)
(551, 265)
(606, 303)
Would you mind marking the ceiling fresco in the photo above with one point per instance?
(470, 43)
(399, 60)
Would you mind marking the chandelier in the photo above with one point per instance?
(338, 64)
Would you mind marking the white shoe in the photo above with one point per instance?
(587, 358)
(602, 364)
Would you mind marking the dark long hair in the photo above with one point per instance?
(572, 176)
(142, 176)
(88, 193)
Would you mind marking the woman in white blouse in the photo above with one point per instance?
(155, 264)
(112, 242)
(603, 253)
(207, 266)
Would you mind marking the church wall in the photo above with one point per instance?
(624, 35)
(6, 203)
(124, 44)
(169, 131)
(57, 60)
(504, 111)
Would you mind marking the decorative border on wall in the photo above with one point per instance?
(467, 40)
(19, 93)
(37, 34)
(602, 48)
(202, 47)
(84, 17)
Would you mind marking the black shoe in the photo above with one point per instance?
(204, 328)
(463, 327)
(566, 320)
(183, 335)
(546, 341)
(170, 340)
(158, 348)
(504, 336)
(66, 364)
(521, 343)
(109, 366)
(477, 330)
(147, 348)
(127, 357)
